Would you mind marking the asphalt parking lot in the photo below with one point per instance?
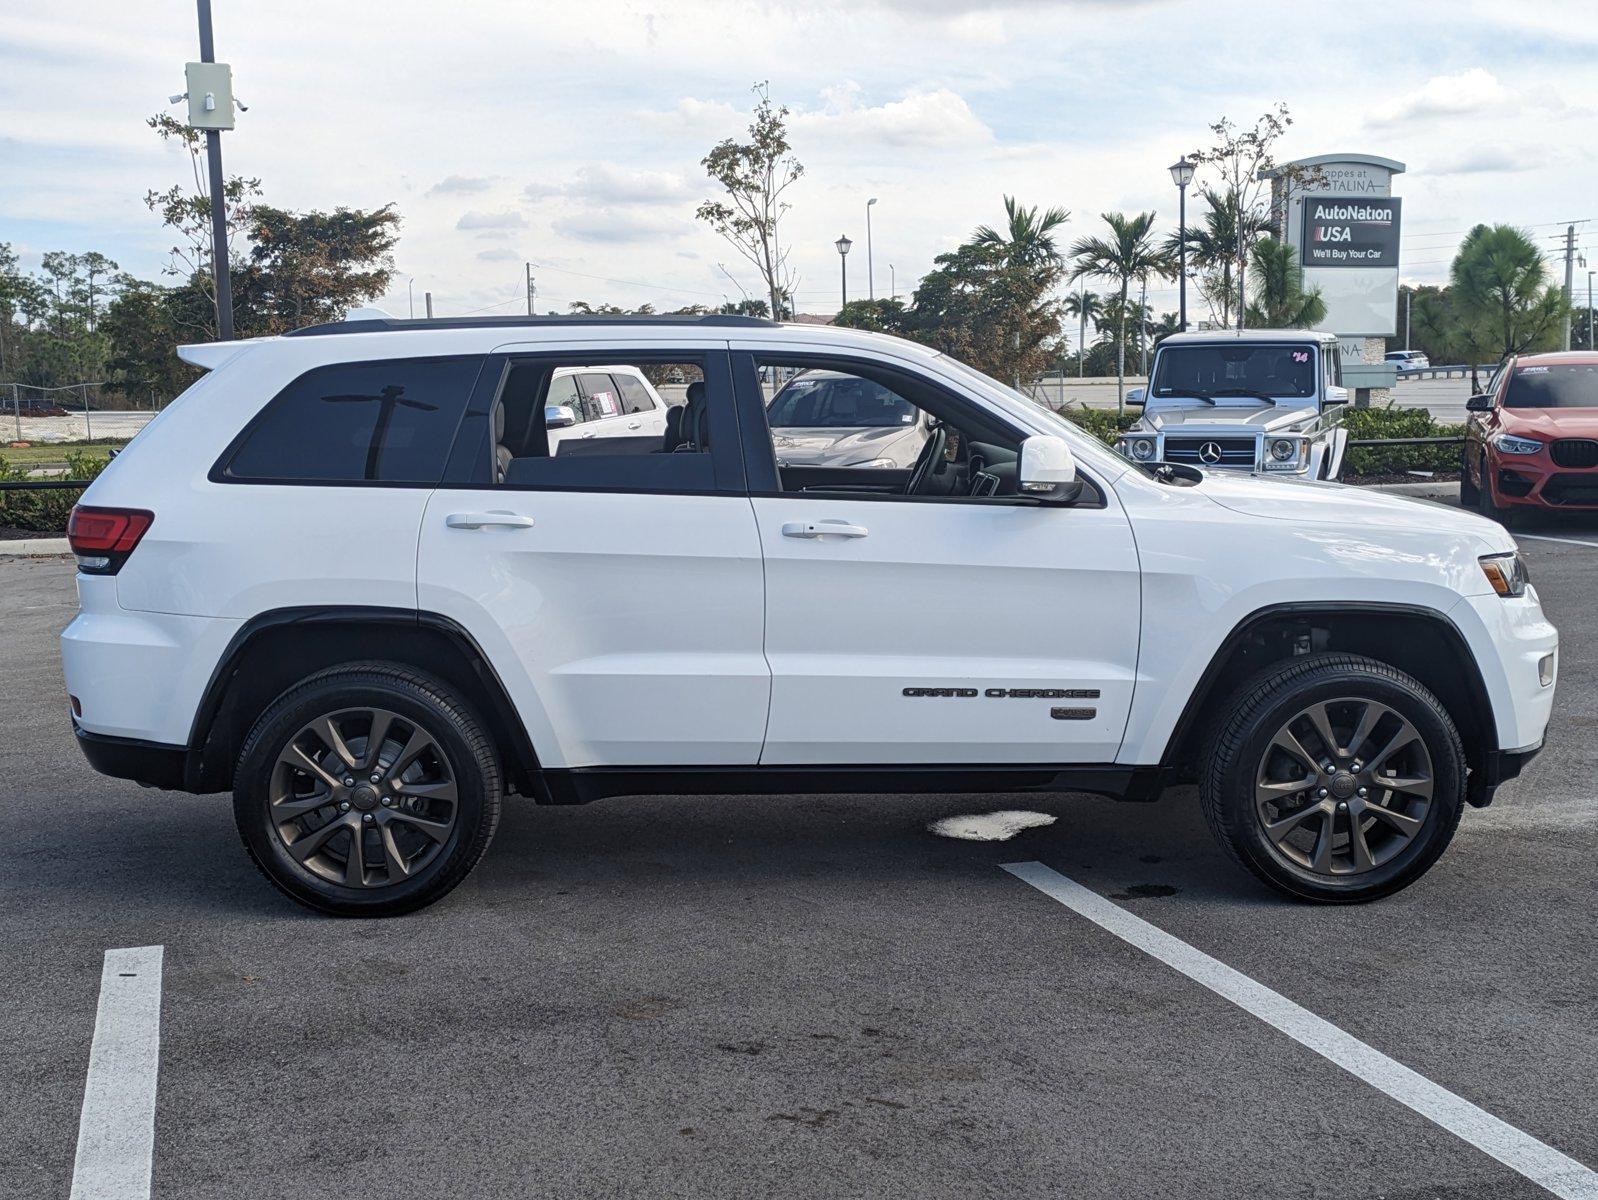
(799, 996)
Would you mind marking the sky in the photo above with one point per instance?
(570, 134)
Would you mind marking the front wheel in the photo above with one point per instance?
(1469, 492)
(1336, 779)
(367, 790)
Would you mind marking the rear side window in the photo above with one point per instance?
(375, 422)
(603, 400)
(634, 395)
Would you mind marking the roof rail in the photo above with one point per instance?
(400, 324)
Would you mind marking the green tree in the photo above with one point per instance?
(307, 268)
(1028, 237)
(998, 317)
(1212, 249)
(1128, 253)
(1501, 294)
(755, 175)
(1280, 301)
(880, 316)
(1085, 306)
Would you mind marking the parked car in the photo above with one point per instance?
(606, 402)
(832, 419)
(1408, 361)
(1531, 439)
(1266, 400)
(347, 577)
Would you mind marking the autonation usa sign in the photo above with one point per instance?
(1343, 232)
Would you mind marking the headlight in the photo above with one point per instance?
(1507, 573)
(1286, 454)
(876, 462)
(1141, 449)
(1509, 444)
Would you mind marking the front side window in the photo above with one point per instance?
(373, 422)
(1553, 386)
(1264, 371)
(831, 401)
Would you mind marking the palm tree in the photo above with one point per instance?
(1280, 301)
(1028, 238)
(1500, 279)
(1085, 306)
(1128, 253)
(1212, 244)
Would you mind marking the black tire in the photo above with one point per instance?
(1242, 759)
(1505, 515)
(448, 836)
(1469, 493)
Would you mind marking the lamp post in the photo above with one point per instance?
(843, 243)
(1181, 175)
(1590, 344)
(871, 271)
(893, 284)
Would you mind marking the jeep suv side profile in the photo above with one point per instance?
(350, 577)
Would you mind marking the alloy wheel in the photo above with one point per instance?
(362, 797)
(1344, 787)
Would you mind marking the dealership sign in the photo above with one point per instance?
(1350, 231)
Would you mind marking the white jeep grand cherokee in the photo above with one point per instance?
(351, 577)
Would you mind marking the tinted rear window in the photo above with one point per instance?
(386, 422)
(1569, 386)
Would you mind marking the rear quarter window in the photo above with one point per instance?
(375, 422)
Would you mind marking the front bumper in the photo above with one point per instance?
(1499, 767)
(1535, 481)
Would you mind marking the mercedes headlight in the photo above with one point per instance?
(1286, 454)
(1508, 443)
(1141, 448)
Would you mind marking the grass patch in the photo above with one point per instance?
(55, 454)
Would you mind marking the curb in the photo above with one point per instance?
(35, 548)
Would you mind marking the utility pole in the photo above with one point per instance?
(427, 297)
(210, 104)
(1409, 299)
(530, 291)
(16, 405)
(1591, 345)
(1570, 266)
(871, 274)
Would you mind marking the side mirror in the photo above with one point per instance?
(559, 416)
(1479, 404)
(1136, 396)
(1336, 395)
(1047, 470)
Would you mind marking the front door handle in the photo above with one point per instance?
(635, 424)
(477, 520)
(826, 528)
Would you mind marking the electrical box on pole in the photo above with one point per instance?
(210, 87)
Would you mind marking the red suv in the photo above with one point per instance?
(1532, 437)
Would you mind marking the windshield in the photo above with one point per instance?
(1277, 369)
(1569, 386)
(838, 404)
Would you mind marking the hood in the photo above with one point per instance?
(1204, 419)
(834, 447)
(1549, 423)
(1319, 503)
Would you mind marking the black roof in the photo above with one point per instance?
(398, 324)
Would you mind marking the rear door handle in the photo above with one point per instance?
(477, 520)
(825, 528)
(635, 424)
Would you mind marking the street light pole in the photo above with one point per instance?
(220, 271)
(1590, 344)
(843, 243)
(871, 272)
(1181, 175)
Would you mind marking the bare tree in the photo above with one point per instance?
(1245, 161)
(755, 175)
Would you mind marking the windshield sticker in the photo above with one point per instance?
(1534, 370)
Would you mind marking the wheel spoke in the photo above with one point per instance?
(444, 789)
(1322, 720)
(290, 807)
(1406, 825)
(418, 742)
(355, 865)
(1269, 791)
(308, 844)
(392, 858)
(1358, 849)
(1410, 785)
(324, 728)
(381, 720)
(1405, 735)
(1321, 860)
(437, 830)
(1366, 726)
(1284, 740)
(1277, 830)
(297, 758)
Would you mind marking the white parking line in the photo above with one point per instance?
(1542, 537)
(116, 1131)
(1541, 1163)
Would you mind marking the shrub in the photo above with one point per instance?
(1398, 423)
(1104, 424)
(44, 511)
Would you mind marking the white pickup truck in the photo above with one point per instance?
(1266, 400)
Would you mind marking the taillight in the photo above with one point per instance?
(102, 538)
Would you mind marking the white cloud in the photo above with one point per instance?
(490, 221)
(620, 226)
(1487, 161)
(1473, 91)
(498, 254)
(923, 120)
(460, 185)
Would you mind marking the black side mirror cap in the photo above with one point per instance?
(1479, 404)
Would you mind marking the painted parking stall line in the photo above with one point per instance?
(1542, 1164)
(116, 1131)
(1543, 537)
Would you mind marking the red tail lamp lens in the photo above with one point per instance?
(102, 538)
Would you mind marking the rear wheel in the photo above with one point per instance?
(367, 790)
(1336, 779)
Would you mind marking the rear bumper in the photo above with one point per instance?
(150, 764)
